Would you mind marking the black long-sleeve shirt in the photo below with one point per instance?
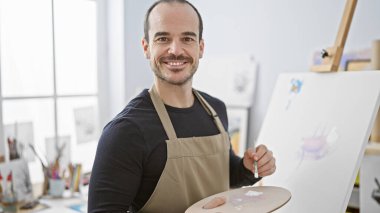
(131, 153)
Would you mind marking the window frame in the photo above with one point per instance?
(54, 97)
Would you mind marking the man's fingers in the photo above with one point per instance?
(249, 153)
(268, 172)
(266, 163)
(268, 168)
(261, 150)
(265, 159)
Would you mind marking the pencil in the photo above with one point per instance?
(256, 170)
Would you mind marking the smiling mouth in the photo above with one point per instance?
(175, 65)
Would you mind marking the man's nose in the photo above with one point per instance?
(175, 48)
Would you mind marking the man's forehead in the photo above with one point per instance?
(173, 15)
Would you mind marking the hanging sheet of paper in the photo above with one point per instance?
(229, 78)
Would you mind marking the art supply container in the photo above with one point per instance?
(56, 187)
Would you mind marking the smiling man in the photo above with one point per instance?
(169, 147)
(174, 48)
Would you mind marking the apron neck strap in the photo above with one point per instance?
(210, 111)
(165, 119)
(162, 113)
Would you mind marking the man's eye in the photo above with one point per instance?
(188, 39)
(162, 39)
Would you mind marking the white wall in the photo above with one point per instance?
(138, 73)
(282, 35)
(111, 63)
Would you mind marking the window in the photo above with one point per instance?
(48, 75)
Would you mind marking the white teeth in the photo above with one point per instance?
(175, 63)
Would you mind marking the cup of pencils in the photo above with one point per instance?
(57, 182)
(56, 187)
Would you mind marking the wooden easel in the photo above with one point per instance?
(332, 55)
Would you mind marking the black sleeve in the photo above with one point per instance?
(239, 175)
(115, 178)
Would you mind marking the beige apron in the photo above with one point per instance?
(196, 167)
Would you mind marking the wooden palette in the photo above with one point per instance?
(258, 199)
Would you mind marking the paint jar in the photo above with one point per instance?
(56, 187)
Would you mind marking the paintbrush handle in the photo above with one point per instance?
(377, 183)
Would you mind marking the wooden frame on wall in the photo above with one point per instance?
(238, 124)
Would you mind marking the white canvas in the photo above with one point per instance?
(317, 126)
(51, 150)
(24, 134)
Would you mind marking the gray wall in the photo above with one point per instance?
(282, 35)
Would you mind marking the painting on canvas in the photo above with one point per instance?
(315, 124)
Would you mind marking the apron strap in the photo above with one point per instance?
(162, 113)
(210, 111)
(165, 119)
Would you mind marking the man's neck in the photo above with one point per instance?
(180, 96)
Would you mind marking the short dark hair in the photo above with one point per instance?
(146, 20)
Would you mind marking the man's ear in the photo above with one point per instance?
(201, 48)
(145, 46)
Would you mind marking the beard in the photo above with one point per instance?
(164, 74)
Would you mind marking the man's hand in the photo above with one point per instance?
(266, 163)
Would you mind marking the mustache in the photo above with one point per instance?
(173, 57)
